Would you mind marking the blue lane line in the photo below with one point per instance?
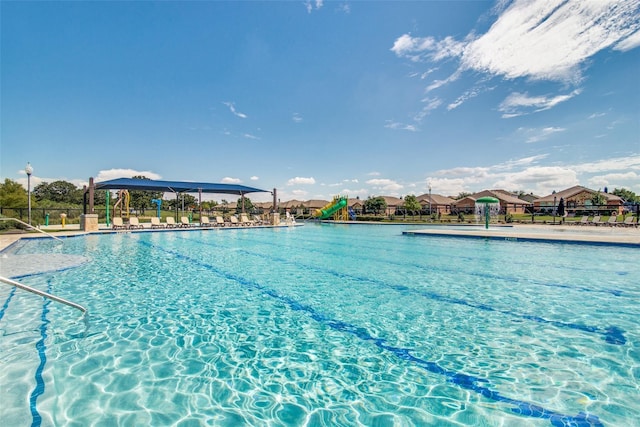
(6, 302)
(611, 334)
(465, 381)
(42, 353)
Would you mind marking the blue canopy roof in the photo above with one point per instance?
(174, 186)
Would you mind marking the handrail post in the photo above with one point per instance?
(42, 293)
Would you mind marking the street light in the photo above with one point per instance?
(29, 171)
(429, 197)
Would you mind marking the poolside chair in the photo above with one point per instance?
(596, 220)
(118, 224)
(155, 222)
(258, 220)
(184, 222)
(234, 221)
(612, 221)
(204, 222)
(244, 220)
(583, 221)
(220, 221)
(171, 223)
(134, 223)
(628, 222)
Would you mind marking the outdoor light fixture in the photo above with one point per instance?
(29, 171)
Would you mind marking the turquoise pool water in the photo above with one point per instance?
(322, 325)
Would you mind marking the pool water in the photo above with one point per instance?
(322, 325)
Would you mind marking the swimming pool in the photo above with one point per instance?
(322, 325)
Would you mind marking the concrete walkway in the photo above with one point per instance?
(624, 236)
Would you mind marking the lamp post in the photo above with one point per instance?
(29, 171)
(429, 198)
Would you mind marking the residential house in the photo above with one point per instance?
(509, 203)
(578, 198)
(436, 203)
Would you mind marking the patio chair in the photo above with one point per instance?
(204, 222)
(134, 223)
(612, 220)
(234, 221)
(629, 221)
(258, 220)
(596, 220)
(583, 221)
(184, 222)
(155, 222)
(118, 224)
(171, 223)
(244, 220)
(220, 221)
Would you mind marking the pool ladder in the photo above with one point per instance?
(42, 293)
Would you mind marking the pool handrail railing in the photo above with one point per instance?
(4, 218)
(42, 293)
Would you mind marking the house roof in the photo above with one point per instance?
(174, 186)
(572, 191)
(436, 199)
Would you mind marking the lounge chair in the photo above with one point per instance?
(220, 221)
(596, 220)
(629, 221)
(244, 220)
(134, 223)
(204, 222)
(583, 221)
(118, 224)
(612, 220)
(258, 220)
(184, 222)
(234, 221)
(171, 223)
(155, 222)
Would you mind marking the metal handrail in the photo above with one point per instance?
(42, 293)
(4, 218)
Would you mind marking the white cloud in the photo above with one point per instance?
(249, 136)
(254, 178)
(384, 184)
(614, 180)
(629, 43)
(548, 40)
(532, 135)
(430, 105)
(229, 180)
(309, 5)
(232, 108)
(108, 174)
(301, 181)
(297, 118)
(400, 126)
(517, 103)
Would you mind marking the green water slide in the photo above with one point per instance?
(331, 209)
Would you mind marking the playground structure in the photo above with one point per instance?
(338, 210)
(122, 203)
(487, 207)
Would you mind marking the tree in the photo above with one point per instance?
(248, 205)
(12, 194)
(626, 195)
(462, 195)
(140, 199)
(375, 204)
(59, 192)
(598, 199)
(411, 204)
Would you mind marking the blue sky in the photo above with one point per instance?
(320, 98)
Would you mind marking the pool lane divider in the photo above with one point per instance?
(42, 354)
(465, 381)
(610, 334)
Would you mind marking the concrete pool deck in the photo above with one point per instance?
(603, 235)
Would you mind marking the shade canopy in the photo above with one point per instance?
(174, 186)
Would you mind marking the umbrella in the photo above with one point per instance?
(561, 207)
